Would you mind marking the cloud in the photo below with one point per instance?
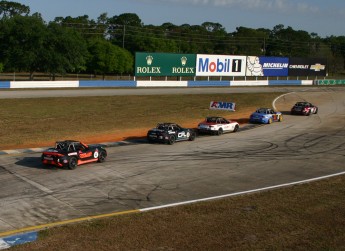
(268, 5)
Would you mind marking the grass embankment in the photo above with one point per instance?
(304, 217)
(40, 122)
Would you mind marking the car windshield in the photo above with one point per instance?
(66, 146)
(301, 104)
(61, 146)
(211, 120)
(262, 110)
(162, 127)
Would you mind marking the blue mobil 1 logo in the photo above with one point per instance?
(220, 65)
(218, 105)
(267, 66)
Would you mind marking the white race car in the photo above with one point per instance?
(217, 126)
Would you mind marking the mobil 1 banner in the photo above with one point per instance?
(307, 66)
(267, 66)
(220, 65)
(164, 64)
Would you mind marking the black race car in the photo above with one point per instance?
(169, 133)
(71, 153)
(304, 108)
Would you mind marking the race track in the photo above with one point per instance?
(146, 175)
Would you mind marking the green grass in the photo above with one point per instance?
(28, 121)
(303, 217)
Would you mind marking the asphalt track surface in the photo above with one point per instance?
(147, 175)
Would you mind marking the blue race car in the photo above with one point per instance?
(265, 116)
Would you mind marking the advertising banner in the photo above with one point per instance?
(164, 64)
(331, 82)
(267, 66)
(226, 106)
(307, 67)
(220, 65)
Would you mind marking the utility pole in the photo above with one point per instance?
(123, 36)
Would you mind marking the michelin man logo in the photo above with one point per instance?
(254, 68)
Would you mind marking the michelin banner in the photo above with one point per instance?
(220, 65)
(267, 66)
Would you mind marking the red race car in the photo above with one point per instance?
(304, 108)
(71, 153)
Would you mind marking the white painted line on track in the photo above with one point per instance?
(241, 193)
(33, 183)
(275, 100)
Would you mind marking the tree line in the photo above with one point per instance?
(107, 45)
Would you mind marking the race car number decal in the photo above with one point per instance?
(181, 134)
(95, 154)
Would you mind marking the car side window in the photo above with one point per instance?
(80, 147)
(71, 148)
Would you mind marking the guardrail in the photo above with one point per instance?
(115, 83)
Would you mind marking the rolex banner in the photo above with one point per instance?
(164, 64)
(307, 67)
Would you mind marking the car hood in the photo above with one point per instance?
(207, 123)
(259, 114)
(53, 151)
(156, 130)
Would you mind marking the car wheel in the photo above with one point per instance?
(101, 157)
(192, 136)
(172, 140)
(308, 114)
(280, 118)
(236, 128)
(149, 140)
(72, 163)
(317, 109)
(220, 131)
(269, 121)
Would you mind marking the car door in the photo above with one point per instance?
(181, 133)
(85, 153)
(275, 116)
(227, 126)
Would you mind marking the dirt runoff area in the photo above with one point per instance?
(120, 134)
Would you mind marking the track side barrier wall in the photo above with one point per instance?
(100, 83)
(115, 83)
(5, 84)
(208, 83)
(43, 84)
(162, 84)
(290, 82)
(330, 82)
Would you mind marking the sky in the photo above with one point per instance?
(324, 17)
